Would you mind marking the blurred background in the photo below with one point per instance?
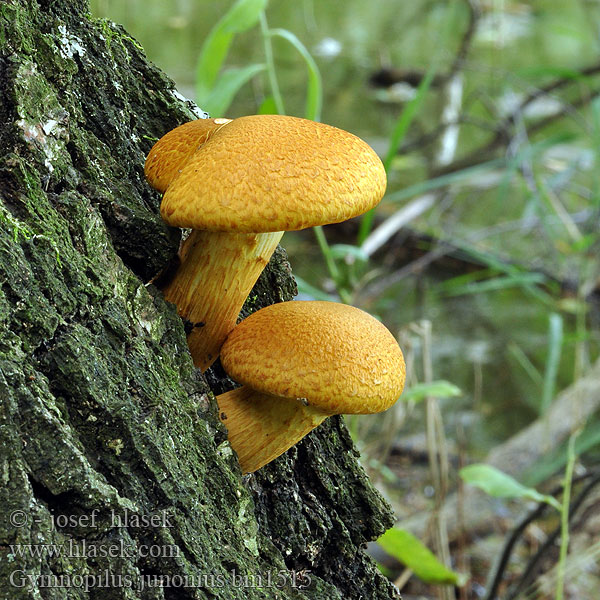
(483, 258)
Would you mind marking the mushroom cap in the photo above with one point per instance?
(173, 150)
(267, 173)
(338, 357)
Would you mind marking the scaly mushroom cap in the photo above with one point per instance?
(338, 357)
(274, 173)
(167, 157)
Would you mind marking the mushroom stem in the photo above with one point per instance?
(262, 426)
(217, 272)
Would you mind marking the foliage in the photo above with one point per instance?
(500, 485)
(439, 389)
(243, 15)
(406, 548)
(215, 92)
(348, 264)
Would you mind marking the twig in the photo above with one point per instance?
(486, 152)
(379, 236)
(500, 130)
(376, 288)
(551, 87)
(438, 459)
(564, 517)
(467, 38)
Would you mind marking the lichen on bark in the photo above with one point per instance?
(102, 414)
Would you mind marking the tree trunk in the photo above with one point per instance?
(110, 448)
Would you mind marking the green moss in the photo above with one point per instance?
(19, 229)
(112, 33)
(15, 18)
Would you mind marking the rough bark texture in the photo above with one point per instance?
(101, 411)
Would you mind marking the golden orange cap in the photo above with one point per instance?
(266, 173)
(338, 357)
(167, 157)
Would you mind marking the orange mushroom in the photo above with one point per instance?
(249, 181)
(300, 362)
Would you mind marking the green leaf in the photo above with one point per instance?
(405, 547)
(348, 250)
(310, 290)
(500, 485)
(227, 86)
(555, 341)
(243, 15)
(436, 389)
(268, 106)
(314, 91)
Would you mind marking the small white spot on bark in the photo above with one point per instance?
(69, 43)
(191, 104)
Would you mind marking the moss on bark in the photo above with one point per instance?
(102, 415)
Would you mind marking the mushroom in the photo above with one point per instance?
(248, 182)
(167, 157)
(301, 362)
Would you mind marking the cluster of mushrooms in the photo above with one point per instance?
(239, 185)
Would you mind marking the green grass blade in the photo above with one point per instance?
(314, 91)
(310, 290)
(271, 73)
(564, 518)
(515, 275)
(227, 86)
(523, 361)
(464, 279)
(401, 127)
(326, 252)
(555, 339)
(268, 106)
(495, 284)
(243, 15)
(406, 117)
(442, 181)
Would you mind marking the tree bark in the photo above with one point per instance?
(110, 447)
